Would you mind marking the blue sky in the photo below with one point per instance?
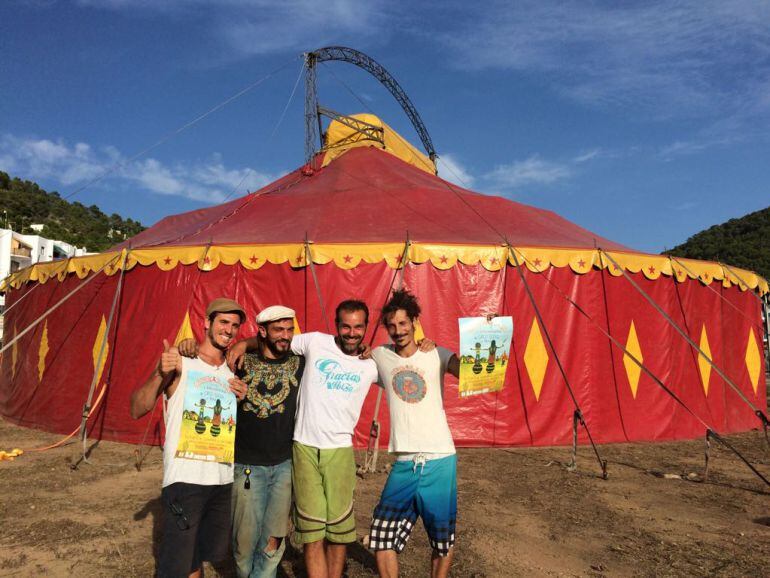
(642, 121)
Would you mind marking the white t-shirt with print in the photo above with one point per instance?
(414, 387)
(332, 391)
(193, 471)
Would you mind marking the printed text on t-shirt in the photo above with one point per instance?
(334, 377)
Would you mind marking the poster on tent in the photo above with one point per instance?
(208, 419)
(485, 347)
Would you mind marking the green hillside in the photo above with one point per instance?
(24, 203)
(743, 242)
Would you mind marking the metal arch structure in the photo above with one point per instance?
(313, 128)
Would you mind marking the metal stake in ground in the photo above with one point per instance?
(578, 412)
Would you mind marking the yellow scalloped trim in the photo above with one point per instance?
(441, 256)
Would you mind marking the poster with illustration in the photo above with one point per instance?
(208, 419)
(485, 347)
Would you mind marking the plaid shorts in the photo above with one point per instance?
(428, 490)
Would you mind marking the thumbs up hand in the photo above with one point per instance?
(170, 360)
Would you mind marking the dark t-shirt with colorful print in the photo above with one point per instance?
(266, 414)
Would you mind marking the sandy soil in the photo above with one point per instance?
(521, 513)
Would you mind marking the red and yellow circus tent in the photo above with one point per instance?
(341, 231)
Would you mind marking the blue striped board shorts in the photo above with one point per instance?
(417, 488)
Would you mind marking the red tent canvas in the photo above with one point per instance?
(348, 224)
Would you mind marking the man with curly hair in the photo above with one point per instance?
(423, 481)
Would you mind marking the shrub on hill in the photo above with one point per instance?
(743, 242)
(24, 203)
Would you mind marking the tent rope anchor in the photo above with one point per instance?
(562, 371)
(577, 418)
(765, 423)
(707, 455)
(711, 434)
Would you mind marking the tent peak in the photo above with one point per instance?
(368, 130)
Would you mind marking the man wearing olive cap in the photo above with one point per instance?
(196, 490)
(270, 372)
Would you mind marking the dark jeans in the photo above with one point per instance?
(196, 527)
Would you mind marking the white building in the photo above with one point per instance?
(18, 251)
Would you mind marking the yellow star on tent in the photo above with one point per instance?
(632, 369)
(42, 352)
(536, 358)
(703, 365)
(753, 360)
(100, 336)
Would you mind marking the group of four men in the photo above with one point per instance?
(299, 399)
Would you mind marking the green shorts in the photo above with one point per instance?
(323, 482)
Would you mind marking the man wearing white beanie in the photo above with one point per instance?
(332, 392)
(263, 445)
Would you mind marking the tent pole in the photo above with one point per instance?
(609, 343)
(7, 311)
(56, 306)
(758, 412)
(722, 297)
(578, 413)
(724, 266)
(373, 445)
(659, 382)
(309, 257)
(766, 307)
(100, 358)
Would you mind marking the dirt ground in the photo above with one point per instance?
(521, 512)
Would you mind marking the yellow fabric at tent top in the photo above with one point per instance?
(340, 138)
(348, 256)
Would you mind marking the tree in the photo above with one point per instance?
(742, 242)
(26, 204)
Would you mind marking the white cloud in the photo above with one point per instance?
(532, 170)
(264, 26)
(450, 169)
(671, 59)
(685, 206)
(157, 178)
(587, 156)
(76, 165)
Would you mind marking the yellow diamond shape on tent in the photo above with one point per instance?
(185, 330)
(100, 337)
(632, 369)
(42, 352)
(703, 365)
(753, 360)
(536, 358)
(419, 334)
